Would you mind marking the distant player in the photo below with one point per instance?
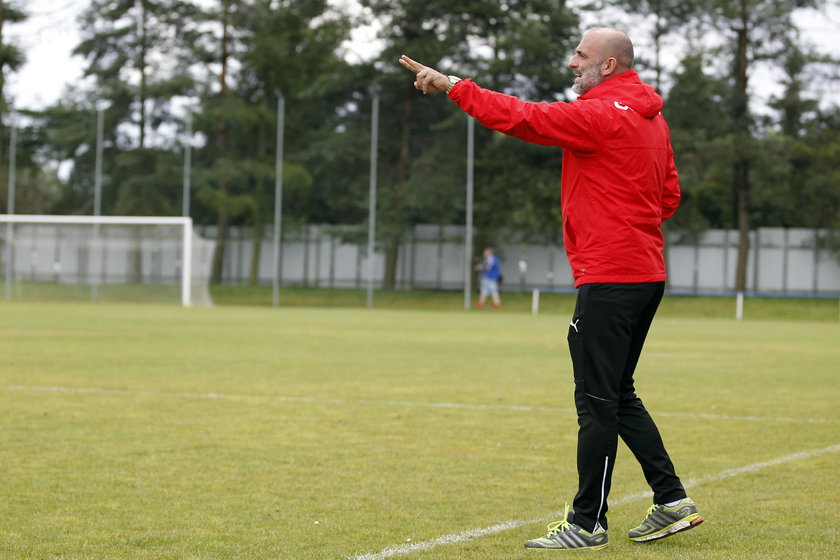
(491, 273)
(619, 183)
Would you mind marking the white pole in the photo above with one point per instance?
(10, 208)
(97, 178)
(469, 212)
(278, 196)
(186, 268)
(187, 168)
(12, 167)
(97, 194)
(374, 142)
(535, 301)
(739, 306)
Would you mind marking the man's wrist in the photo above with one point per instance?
(452, 81)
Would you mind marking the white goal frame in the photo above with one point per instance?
(185, 222)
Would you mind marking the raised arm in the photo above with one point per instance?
(555, 124)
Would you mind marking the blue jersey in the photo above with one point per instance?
(491, 269)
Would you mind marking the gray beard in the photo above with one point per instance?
(589, 78)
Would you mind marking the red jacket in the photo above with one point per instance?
(619, 181)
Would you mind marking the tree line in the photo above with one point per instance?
(160, 69)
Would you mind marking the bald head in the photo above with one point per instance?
(610, 42)
(615, 44)
(603, 52)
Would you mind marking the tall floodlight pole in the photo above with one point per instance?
(278, 195)
(97, 188)
(97, 178)
(374, 142)
(185, 212)
(10, 208)
(468, 243)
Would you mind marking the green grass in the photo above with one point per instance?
(810, 309)
(104, 292)
(157, 432)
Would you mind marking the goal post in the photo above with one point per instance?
(119, 257)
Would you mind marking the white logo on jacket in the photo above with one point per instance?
(620, 106)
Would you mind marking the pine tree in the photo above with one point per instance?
(756, 30)
(265, 49)
(511, 46)
(11, 58)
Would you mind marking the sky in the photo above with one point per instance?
(47, 38)
(49, 35)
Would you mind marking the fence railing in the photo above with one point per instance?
(781, 261)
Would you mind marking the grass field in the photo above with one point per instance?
(809, 309)
(303, 433)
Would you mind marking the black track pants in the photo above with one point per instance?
(606, 336)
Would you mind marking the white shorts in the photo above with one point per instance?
(489, 287)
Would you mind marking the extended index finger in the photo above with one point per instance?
(412, 65)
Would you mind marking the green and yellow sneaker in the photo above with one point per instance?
(565, 535)
(662, 521)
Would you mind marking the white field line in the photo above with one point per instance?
(471, 534)
(370, 402)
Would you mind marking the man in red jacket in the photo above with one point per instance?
(619, 183)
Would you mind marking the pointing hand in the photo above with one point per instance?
(428, 80)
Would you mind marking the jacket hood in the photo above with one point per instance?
(628, 89)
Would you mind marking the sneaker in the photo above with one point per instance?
(662, 521)
(563, 534)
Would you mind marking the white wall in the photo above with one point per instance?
(432, 257)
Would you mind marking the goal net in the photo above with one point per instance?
(104, 258)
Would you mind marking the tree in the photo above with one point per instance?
(820, 186)
(511, 46)
(785, 162)
(757, 30)
(65, 137)
(697, 115)
(753, 32)
(518, 48)
(666, 17)
(11, 59)
(423, 28)
(138, 54)
(794, 106)
(800, 186)
(265, 48)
